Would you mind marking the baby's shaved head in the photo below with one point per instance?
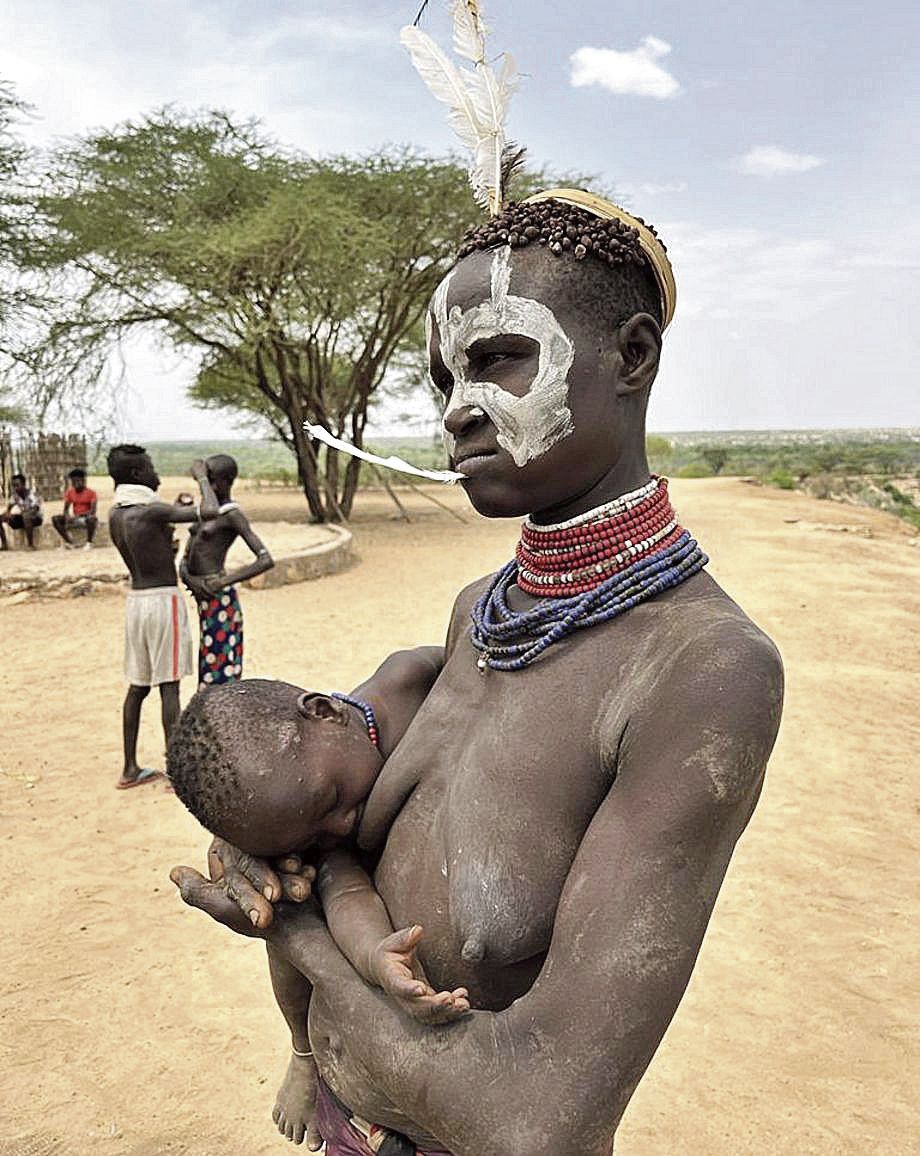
(199, 762)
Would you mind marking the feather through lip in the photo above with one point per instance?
(392, 463)
(478, 98)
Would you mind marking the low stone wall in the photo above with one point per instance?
(312, 562)
(72, 574)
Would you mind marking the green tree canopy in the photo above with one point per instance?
(298, 281)
(13, 156)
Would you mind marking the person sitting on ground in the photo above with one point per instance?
(23, 512)
(277, 770)
(80, 499)
(220, 656)
(157, 641)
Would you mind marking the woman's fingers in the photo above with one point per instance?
(295, 887)
(227, 859)
(251, 902)
(213, 899)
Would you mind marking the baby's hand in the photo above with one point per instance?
(399, 974)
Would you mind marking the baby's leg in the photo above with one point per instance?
(296, 1099)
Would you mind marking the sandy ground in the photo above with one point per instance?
(130, 1025)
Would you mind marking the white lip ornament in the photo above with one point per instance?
(392, 463)
(526, 426)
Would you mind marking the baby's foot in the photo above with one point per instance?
(295, 1104)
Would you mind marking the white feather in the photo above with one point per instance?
(509, 78)
(478, 99)
(490, 108)
(446, 82)
(469, 30)
(392, 463)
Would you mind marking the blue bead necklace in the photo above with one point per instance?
(510, 640)
(370, 719)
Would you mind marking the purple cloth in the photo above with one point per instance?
(342, 1139)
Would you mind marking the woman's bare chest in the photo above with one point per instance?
(497, 805)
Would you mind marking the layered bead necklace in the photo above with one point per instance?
(585, 571)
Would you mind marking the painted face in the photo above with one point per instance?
(526, 426)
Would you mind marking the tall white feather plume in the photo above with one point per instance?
(478, 99)
(469, 30)
(446, 82)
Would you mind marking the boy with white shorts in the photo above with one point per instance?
(158, 649)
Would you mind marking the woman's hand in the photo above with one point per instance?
(242, 889)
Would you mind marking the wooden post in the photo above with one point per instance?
(381, 477)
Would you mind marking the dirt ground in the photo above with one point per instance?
(131, 1026)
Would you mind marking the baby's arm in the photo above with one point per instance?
(213, 583)
(399, 686)
(360, 924)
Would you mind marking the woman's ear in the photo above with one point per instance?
(638, 342)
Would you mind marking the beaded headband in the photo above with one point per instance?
(651, 247)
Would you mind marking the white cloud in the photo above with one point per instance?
(283, 69)
(770, 329)
(637, 72)
(654, 188)
(771, 161)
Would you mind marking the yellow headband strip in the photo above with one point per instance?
(648, 242)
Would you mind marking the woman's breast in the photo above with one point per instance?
(479, 857)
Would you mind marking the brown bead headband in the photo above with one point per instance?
(652, 248)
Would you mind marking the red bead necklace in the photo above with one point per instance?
(576, 556)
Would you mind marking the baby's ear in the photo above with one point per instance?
(322, 707)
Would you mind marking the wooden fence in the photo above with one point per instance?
(45, 458)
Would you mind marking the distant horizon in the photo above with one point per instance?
(882, 429)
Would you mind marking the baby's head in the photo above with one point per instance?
(272, 768)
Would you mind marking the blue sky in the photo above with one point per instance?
(775, 145)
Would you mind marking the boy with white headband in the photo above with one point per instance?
(157, 641)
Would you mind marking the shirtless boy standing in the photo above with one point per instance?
(157, 644)
(220, 616)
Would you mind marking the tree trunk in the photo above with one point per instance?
(309, 476)
(350, 488)
(331, 472)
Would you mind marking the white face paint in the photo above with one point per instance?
(527, 426)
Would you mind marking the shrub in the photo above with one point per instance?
(782, 479)
(715, 457)
(695, 470)
(657, 446)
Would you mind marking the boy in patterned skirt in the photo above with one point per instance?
(220, 655)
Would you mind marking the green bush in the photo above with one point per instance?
(695, 470)
(782, 479)
(657, 446)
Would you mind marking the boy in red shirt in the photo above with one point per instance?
(82, 501)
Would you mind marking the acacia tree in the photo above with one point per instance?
(298, 281)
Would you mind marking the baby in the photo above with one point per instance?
(278, 771)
